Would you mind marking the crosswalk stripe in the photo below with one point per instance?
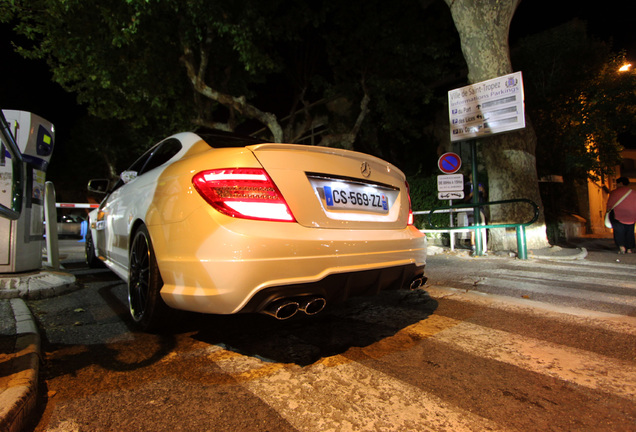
(609, 269)
(567, 274)
(584, 368)
(339, 395)
(580, 317)
(567, 277)
(581, 367)
(540, 287)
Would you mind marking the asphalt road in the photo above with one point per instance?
(490, 344)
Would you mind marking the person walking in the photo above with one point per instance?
(622, 202)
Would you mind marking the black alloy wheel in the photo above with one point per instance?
(144, 283)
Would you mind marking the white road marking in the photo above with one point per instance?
(339, 395)
(543, 287)
(578, 366)
(561, 277)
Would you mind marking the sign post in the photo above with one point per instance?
(450, 186)
(479, 246)
(483, 109)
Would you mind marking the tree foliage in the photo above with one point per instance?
(125, 59)
(290, 65)
(400, 57)
(578, 99)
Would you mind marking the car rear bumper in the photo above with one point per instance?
(338, 287)
(240, 266)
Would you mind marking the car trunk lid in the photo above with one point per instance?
(336, 188)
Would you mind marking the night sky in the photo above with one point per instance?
(610, 19)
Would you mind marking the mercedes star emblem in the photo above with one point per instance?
(365, 169)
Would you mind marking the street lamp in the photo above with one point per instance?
(625, 67)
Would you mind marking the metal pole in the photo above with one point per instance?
(477, 209)
(450, 233)
(50, 215)
(522, 247)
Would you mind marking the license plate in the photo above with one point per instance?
(348, 195)
(358, 198)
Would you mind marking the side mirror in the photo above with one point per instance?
(128, 176)
(98, 186)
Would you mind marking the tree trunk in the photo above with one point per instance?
(512, 174)
(483, 27)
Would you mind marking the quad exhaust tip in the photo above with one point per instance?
(418, 282)
(313, 305)
(282, 309)
(286, 308)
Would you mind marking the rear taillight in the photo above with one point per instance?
(411, 220)
(247, 193)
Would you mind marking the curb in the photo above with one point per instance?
(37, 285)
(551, 253)
(18, 400)
(578, 253)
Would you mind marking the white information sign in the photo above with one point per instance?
(450, 183)
(455, 195)
(487, 108)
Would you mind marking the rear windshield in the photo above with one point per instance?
(220, 139)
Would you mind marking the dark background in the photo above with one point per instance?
(26, 84)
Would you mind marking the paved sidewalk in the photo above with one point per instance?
(19, 365)
(590, 247)
(20, 340)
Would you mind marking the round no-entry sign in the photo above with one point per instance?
(449, 163)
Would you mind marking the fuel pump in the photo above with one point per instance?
(21, 239)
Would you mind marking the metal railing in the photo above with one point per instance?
(522, 248)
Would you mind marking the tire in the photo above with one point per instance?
(89, 247)
(146, 306)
